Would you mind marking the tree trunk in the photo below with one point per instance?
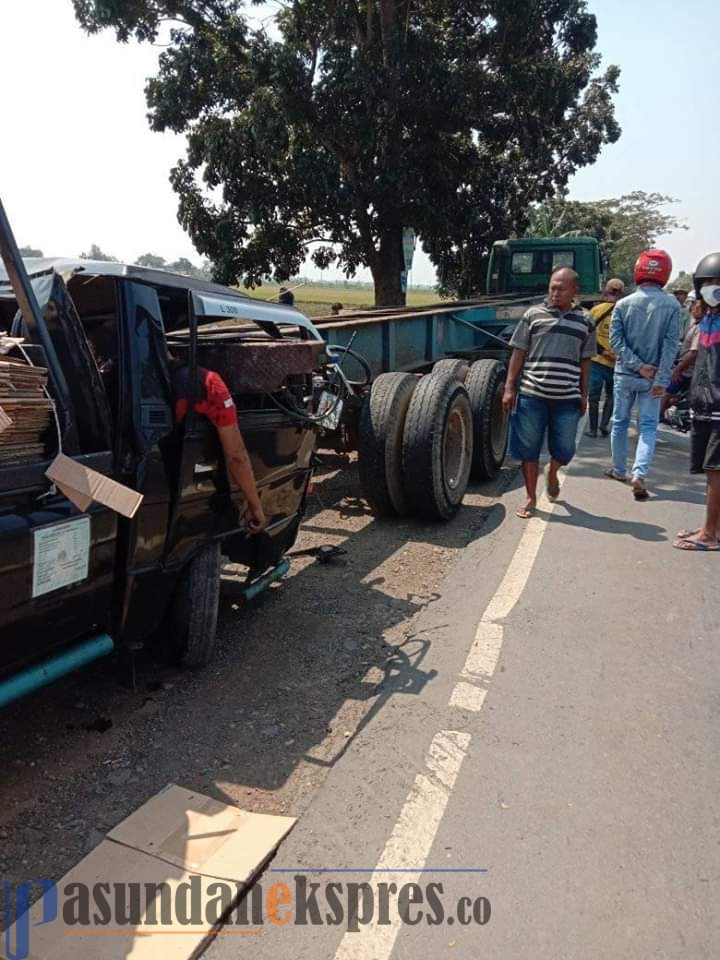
(387, 271)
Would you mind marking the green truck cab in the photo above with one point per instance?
(525, 266)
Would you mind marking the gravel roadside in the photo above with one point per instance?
(294, 679)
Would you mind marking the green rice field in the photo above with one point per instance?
(314, 299)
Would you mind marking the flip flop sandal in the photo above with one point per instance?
(553, 492)
(615, 476)
(695, 546)
(524, 513)
(686, 534)
(640, 492)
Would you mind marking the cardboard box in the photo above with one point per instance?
(81, 486)
(178, 837)
(111, 863)
(202, 835)
(5, 420)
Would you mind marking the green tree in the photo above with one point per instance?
(365, 117)
(181, 265)
(683, 280)
(189, 269)
(95, 253)
(151, 260)
(623, 226)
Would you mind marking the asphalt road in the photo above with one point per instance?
(583, 778)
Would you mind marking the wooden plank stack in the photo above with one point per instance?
(23, 402)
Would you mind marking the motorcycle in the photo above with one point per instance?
(678, 414)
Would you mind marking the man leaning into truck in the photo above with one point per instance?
(214, 401)
(547, 383)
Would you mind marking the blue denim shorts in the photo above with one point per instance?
(533, 418)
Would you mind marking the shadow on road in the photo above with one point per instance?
(293, 682)
(577, 517)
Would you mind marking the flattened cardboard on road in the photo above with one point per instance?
(178, 837)
(81, 486)
(111, 863)
(202, 835)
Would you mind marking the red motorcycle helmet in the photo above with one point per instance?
(653, 266)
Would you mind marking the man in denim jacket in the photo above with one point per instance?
(645, 335)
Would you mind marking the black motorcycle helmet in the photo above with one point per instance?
(708, 267)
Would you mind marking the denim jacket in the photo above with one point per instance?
(646, 330)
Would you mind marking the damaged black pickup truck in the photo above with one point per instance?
(75, 585)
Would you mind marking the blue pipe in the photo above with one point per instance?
(267, 578)
(35, 677)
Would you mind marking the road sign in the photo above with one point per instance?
(409, 241)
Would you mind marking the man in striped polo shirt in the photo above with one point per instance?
(547, 383)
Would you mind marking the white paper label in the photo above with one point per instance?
(60, 555)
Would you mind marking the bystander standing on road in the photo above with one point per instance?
(645, 335)
(603, 363)
(705, 407)
(681, 295)
(547, 383)
(682, 373)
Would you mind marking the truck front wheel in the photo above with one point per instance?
(194, 613)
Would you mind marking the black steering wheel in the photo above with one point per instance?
(333, 348)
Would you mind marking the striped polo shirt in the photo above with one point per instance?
(554, 344)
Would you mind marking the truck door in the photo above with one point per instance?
(187, 495)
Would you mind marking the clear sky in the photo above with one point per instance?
(79, 165)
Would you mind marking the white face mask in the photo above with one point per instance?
(711, 294)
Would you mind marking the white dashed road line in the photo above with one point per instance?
(410, 842)
(485, 651)
(412, 838)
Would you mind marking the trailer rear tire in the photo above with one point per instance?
(485, 384)
(195, 609)
(451, 367)
(380, 435)
(437, 447)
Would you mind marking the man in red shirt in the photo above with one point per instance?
(214, 401)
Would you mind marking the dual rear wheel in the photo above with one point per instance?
(421, 439)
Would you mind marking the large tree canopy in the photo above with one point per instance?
(623, 226)
(95, 253)
(367, 116)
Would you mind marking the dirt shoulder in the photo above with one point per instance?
(294, 679)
